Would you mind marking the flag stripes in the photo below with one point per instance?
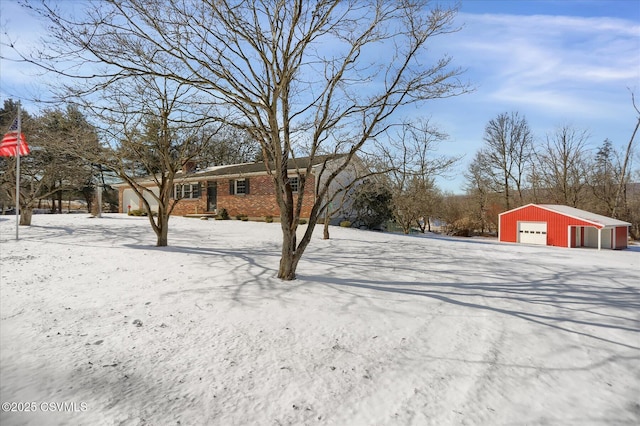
(9, 144)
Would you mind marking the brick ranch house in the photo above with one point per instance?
(243, 189)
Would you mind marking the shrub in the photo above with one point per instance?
(372, 204)
(137, 212)
(268, 219)
(302, 221)
(223, 215)
(244, 218)
(345, 224)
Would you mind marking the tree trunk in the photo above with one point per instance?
(163, 239)
(25, 216)
(162, 229)
(288, 264)
(60, 201)
(325, 231)
(506, 192)
(288, 261)
(623, 173)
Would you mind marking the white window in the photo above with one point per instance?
(187, 191)
(295, 183)
(240, 186)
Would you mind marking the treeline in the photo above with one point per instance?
(55, 170)
(512, 168)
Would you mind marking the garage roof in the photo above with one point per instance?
(596, 219)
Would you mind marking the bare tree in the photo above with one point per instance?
(604, 174)
(300, 77)
(562, 166)
(507, 151)
(479, 191)
(411, 162)
(627, 158)
(230, 146)
(152, 128)
(633, 200)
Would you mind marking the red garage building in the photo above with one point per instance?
(562, 226)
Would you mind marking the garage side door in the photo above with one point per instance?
(532, 233)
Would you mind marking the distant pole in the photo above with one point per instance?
(19, 140)
(99, 200)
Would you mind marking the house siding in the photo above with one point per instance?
(258, 203)
(191, 206)
(261, 199)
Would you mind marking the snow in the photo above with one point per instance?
(378, 329)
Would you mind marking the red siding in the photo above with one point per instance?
(557, 224)
(621, 237)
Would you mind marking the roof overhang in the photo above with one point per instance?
(598, 221)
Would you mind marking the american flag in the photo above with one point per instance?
(10, 142)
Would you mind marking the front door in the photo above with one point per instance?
(212, 196)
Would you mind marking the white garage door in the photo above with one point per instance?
(130, 198)
(532, 233)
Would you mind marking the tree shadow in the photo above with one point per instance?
(259, 263)
(575, 308)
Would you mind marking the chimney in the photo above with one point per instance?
(189, 166)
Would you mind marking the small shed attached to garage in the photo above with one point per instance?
(562, 226)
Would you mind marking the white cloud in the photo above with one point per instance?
(537, 51)
(552, 69)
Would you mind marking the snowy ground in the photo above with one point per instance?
(379, 329)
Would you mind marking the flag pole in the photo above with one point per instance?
(19, 139)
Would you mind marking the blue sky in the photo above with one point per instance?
(555, 62)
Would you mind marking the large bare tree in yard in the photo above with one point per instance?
(303, 78)
(152, 128)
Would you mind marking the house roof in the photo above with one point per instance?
(259, 167)
(248, 168)
(599, 220)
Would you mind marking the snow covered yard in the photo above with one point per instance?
(378, 329)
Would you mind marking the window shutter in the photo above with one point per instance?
(246, 186)
(231, 187)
